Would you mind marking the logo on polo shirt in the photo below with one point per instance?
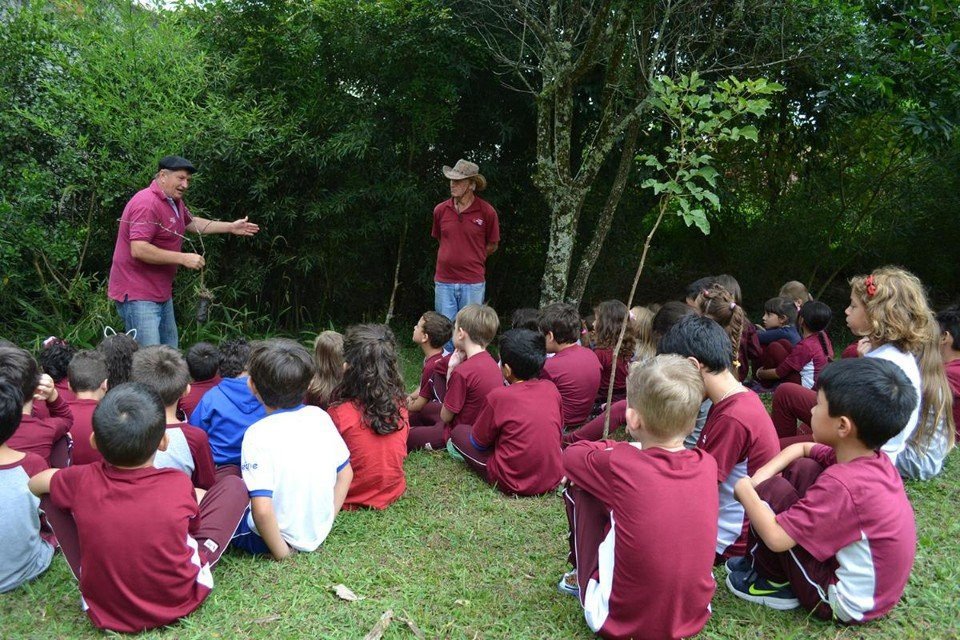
(478, 222)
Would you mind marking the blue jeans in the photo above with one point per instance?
(154, 321)
(449, 298)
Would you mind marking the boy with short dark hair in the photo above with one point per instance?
(24, 555)
(738, 432)
(574, 369)
(514, 443)
(46, 437)
(148, 545)
(203, 361)
(643, 514)
(163, 369)
(474, 377)
(87, 376)
(431, 332)
(294, 462)
(226, 411)
(835, 532)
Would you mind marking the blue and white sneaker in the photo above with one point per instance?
(750, 586)
(741, 564)
(568, 584)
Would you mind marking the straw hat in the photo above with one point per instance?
(463, 170)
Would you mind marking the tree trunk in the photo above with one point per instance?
(565, 205)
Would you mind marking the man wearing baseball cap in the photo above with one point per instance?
(468, 230)
(147, 252)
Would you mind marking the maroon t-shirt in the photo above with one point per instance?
(605, 356)
(37, 435)
(426, 377)
(749, 351)
(660, 551)
(189, 402)
(463, 240)
(804, 364)
(204, 470)
(148, 217)
(857, 517)
(83, 451)
(576, 372)
(140, 565)
(953, 378)
(741, 437)
(469, 385)
(523, 424)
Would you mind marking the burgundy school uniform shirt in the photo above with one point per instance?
(655, 578)
(140, 564)
(148, 217)
(426, 376)
(605, 356)
(82, 429)
(576, 372)
(463, 240)
(190, 401)
(188, 450)
(40, 409)
(467, 389)
(804, 364)
(741, 437)
(522, 423)
(438, 381)
(749, 351)
(953, 378)
(857, 518)
(376, 460)
(37, 435)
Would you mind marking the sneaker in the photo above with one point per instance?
(568, 584)
(742, 564)
(453, 451)
(750, 586)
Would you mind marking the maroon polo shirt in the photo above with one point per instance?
(605, 356)
(36, 435)
(468, 387)
(150, 218)
(464, 237)
(190, 401)
(429, 366)
(522, 423)
(83, 452)
(576, 372)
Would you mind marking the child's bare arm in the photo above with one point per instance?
(344, 478)
(416, 402)
(780, 462)
(40, 483)
(446, 415)
(762, 518)
(266, 520)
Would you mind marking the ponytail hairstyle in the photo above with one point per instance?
(372, 377)
(816, 316)
(643, 325)
(610, 316)
(718, 303)
(328, 355)
(936, 396)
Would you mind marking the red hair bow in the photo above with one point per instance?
(871, 287)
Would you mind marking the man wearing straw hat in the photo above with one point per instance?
(469, 231)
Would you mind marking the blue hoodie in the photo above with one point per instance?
(224, 413)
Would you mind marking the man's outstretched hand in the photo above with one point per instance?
(243, 227)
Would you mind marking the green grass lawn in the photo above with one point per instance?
(462, 561)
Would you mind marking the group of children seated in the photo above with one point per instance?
(144, 465)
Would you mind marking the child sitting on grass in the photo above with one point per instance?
(164, 370)
(133, 534)
(54, 358)
(87, 375)
(368, 412)
(470, 382)
(643, 515)
(949, 323)
(835, 532)
(24, 555)
(514, 443)
(610, 316)
(575, 370)
(328, 357)
(203, 361)
(226, 411)
(46, 437)
(808, 357)
(118, 349)
(738, 432)
(295, 464)
(431, 332)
